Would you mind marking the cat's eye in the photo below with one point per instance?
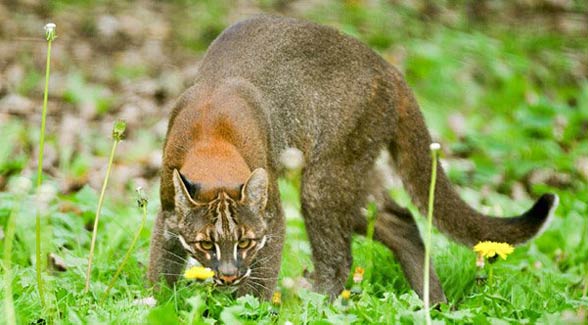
(206, 245)
(244, 243)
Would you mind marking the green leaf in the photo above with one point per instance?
(163, 315)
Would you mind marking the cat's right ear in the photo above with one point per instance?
(184, 193)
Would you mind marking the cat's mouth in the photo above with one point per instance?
(232, 280)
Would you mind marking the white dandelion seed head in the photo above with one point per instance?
(288, 283)
(292, 158)
(45, 194)
(435, 146)
(148, 301)
(20, 185)
(49, 28)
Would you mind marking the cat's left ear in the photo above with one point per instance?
(254, 192)
(184, 190)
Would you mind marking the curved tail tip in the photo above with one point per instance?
(543, 210)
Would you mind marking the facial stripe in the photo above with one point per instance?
(219, 219)
(224, 222)
(229, 216)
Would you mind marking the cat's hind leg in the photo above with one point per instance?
(396, 228)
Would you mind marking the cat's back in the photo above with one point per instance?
(281, 49)
(313, 77)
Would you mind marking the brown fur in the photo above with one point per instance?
(270, 83)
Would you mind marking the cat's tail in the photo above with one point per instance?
(410, 150)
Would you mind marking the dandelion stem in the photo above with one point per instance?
(372, 214)
(490, 274)
(142, 202)
(585, 291)
(434, 148)
(117, 132)
(50, 36)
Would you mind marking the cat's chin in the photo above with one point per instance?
(224, 288)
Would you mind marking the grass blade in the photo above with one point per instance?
(142, 202)
(434, 149)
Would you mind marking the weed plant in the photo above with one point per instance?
(50, 35)
(118, 131)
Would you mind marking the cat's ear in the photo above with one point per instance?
(254, 192)
(184, 190)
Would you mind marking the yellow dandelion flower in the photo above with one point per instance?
(346, 294)
(491, 249)
(358, 274)
(277, 298)
(198, 273)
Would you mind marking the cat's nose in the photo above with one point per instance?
(228, 279)
(228, 273)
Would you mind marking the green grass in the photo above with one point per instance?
(525, 112)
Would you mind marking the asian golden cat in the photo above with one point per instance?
(271, 83)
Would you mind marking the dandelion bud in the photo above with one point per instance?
(480, 261)
(142, 200)
(276, 302)
(118, 130)
(345, 295)
(435, 146)
(277, 298)
(50, 31)
(358, 274)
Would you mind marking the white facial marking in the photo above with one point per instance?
(243, 277)
(235, 252)
(185, 245)
(218, 252)
(263, 241)
(167, 234)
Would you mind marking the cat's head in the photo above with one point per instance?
(225, 233)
